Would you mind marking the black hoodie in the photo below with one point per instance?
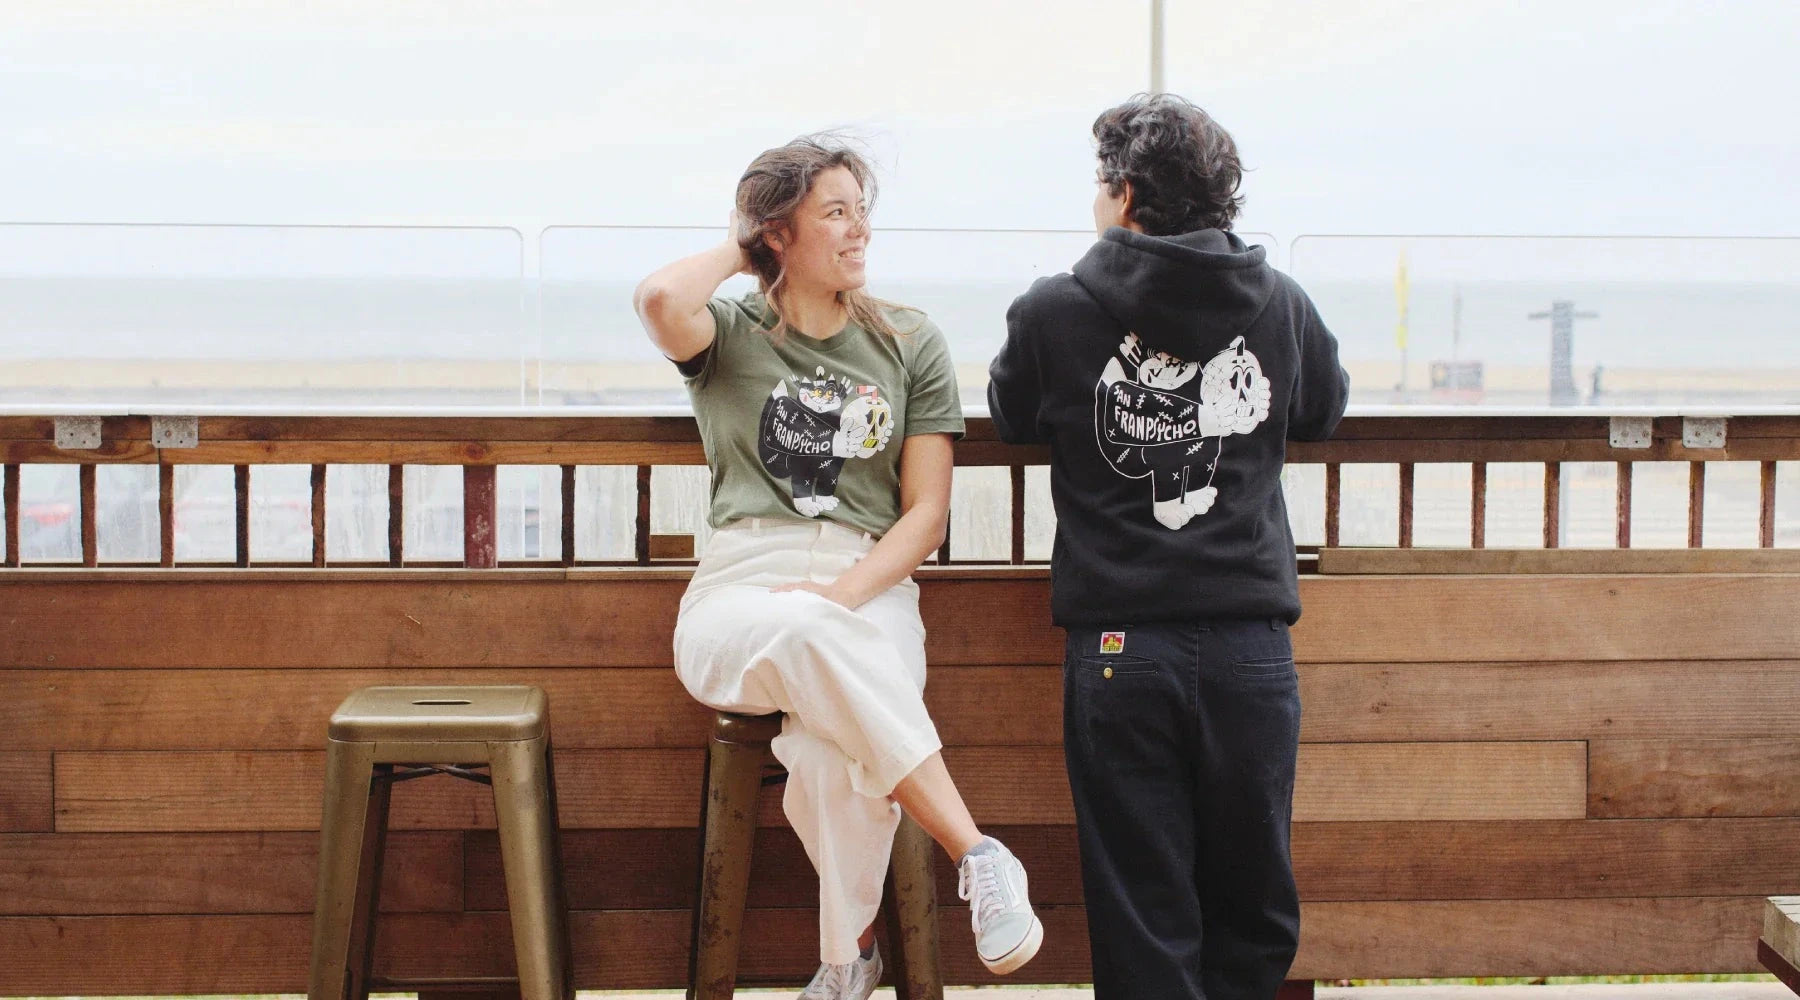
(1167, 375)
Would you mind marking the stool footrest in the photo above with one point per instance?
(467, 772)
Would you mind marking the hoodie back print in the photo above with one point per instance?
(1167, 374)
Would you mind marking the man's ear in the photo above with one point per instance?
(1128, 206)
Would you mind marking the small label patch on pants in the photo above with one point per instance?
(1112, 642)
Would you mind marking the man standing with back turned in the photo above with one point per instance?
(1167, 374)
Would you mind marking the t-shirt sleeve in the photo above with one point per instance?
(933, 404)
(697, 370)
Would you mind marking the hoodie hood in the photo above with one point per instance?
(1188, 295)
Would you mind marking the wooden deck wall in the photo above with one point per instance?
(1501, 774)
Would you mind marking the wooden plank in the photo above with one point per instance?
(1427, 781)
(1499, 619)
(1551, 701)
(125, 791)
(514, 621)
(1529, 937)
(338, 624)
(590, 708)
(441, 428)
(601, 708)
(110, 452)
(1379, 561)
(466, 453)
(30, 428)
(1545, 859)
(647, 949)
(142, 792)
(671, 547)
(26, 791)
(1333, 862)
(96, 873)
(1637, 778)
(1453, 450)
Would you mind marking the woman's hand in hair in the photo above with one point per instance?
(737, 231)
(671, 302)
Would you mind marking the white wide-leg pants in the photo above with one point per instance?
(851, 684)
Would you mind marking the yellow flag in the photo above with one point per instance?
(1401, 298)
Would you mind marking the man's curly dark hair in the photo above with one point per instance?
(1183, 167)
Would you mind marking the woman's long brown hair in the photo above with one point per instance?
(769, 193)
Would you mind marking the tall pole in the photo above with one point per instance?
(1156, 46)
(1562, 315)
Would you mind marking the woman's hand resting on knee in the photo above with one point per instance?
(829, 593)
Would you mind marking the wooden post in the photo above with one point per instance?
(1623, 504)
(1406, 505)
(11, 500)
(643, 515)
(1478, 505)
(165, 511)
(241, 492)
(90, 517)
(568, 515)
(1018, 514)
(1333, 494)
(1766, 518)
(396, 515)
(318, 516)
(481, 549)
(1696, 503)
(1552, 504)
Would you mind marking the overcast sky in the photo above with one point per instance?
(1389, 116)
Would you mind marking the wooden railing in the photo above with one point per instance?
(480, 444)
(1571, 762)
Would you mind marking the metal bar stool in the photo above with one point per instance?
(379, 736)
(735, 772)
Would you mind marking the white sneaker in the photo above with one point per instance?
(1007, 933)
(852, 981)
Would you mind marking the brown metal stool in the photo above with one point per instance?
(735, 764)
(379, 736)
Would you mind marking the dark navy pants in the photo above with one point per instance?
(1181, 749)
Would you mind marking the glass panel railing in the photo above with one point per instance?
(594, 351)
(260, 315)
(1532, 321)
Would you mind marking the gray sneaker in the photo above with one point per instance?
(852, 981)
(1007, 933)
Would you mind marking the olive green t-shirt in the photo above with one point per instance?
(797, 428)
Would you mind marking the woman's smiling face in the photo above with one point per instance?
(823, 244)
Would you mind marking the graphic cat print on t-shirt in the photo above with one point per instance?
(808, 433)
(1151, 422)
